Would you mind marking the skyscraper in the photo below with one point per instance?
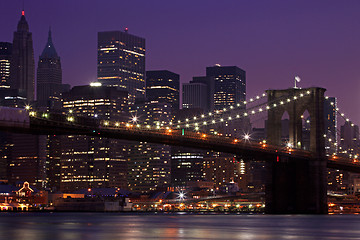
(5, 57)
(49, 77)
(121, 62)
(230, 85)
(22, 69)
(163, 86)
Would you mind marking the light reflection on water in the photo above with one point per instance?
(83, 226)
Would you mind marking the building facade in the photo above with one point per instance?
(121, 62)
(88, 161)
(163, 86)
(5, 58)
(186, 167)
(148, 163)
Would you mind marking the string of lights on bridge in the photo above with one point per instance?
(203, 120)
(235, 116)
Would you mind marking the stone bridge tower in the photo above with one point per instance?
(297, 185)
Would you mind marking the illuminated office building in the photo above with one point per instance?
(230, 85)
(22, 68)
(121, 62)
(149, 167)
(221, 168)
(24, 156)
(88, 161)
(5, 58)
(163, 86)
(49, 77)
(148, 163)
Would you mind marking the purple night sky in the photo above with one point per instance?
(271, 40)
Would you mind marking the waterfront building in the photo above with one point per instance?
(5, 58)
(121, 62)
(22, 68)
(148, 163)
(163, 86)
(24, 157)
(88, 161)
(221, 169)
(186, 167)
(49, 77)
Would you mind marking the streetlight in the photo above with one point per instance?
(247, 137)
(181, 195)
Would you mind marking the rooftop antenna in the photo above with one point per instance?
(23, 8)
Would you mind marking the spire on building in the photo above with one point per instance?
(49, 50)
(23, 25)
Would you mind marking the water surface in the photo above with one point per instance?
(83, 226)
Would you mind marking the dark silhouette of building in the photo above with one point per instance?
(349, 138)
(199, 93)
(163, 86)
(5, 58)
(330, 122)
(22, 69)
(121, 62)
(49, 77)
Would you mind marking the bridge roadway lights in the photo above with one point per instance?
(297, 185)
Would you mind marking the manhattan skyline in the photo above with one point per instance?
(273, 42)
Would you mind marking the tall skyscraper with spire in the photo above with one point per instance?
(22, 69)
(49, 77)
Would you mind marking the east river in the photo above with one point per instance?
(83, 226)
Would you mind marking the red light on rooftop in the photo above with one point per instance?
(23, 12)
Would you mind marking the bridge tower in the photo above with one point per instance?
(297, 185)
